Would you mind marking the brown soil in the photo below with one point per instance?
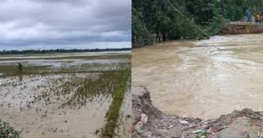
(238, 124)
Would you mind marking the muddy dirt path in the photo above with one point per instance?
(205, 78)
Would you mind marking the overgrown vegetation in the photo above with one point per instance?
(113, 112)
(7, 131)
(161, 20)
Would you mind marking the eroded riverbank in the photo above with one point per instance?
(238, 124)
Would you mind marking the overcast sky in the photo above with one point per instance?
(66, 24)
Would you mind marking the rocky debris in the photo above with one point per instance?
(238, 124)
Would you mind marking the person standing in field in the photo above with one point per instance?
(248, 15)
(258, 18)
(20, 67)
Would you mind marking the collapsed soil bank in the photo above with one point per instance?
(238, 124)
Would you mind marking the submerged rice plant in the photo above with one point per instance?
(47, 89)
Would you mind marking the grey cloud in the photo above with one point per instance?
(62, 22)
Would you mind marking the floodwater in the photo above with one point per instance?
(204, 78)
(88, 61)
(65, 59)
(34, 106)
(69, 105)
(61, 63)
(62, 55)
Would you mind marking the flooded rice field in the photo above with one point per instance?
(204, 78)
(63, 63)
(67, 97)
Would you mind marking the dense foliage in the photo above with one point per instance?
(8, 132)
(160, 20)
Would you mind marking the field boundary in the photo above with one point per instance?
(113, 112)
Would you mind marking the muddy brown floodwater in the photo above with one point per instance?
(205, 78)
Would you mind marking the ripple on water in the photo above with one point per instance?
(210, 78)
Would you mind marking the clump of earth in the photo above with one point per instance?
(150, 122)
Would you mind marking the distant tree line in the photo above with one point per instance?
(5, 52)
(161, 20)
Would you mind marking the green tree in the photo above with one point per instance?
(161, 20)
